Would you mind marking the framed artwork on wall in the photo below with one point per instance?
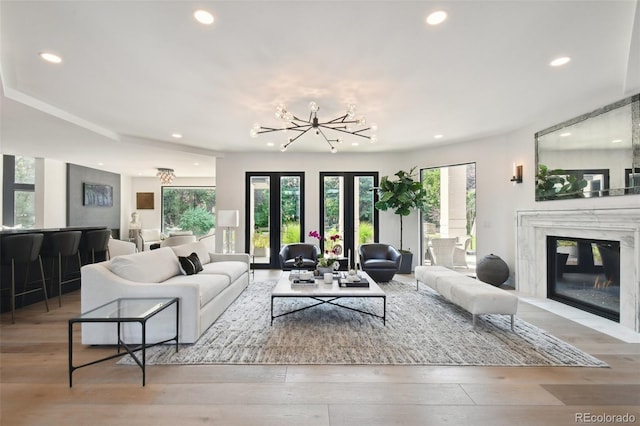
(144, 200)
(97, 195)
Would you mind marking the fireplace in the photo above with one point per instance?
(621, 226)
(585, 273)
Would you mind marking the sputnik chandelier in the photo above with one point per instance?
(340, 124)
(166, 176)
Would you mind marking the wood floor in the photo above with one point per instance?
(34, 385)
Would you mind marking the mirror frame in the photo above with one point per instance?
(568, 185)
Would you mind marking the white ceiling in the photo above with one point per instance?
(134, 72)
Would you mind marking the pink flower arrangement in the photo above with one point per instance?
(331, 246)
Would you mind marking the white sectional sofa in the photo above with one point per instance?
(475, 296)
(156, 273)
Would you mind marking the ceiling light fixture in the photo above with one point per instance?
(51, 57)
(339, 124)
(176, 135)
(166, 175)
(437, 17)
(438, 136)
(558, 62)
(204, 17)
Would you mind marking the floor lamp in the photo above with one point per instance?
(228, 220)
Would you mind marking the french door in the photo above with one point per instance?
(275, 215)
(347, 209)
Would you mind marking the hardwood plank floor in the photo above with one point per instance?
(34, 386)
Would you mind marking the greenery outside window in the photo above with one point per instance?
(188, 209)
(19, 202)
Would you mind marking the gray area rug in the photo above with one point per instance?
(422, 329)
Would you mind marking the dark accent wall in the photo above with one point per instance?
(80, 215)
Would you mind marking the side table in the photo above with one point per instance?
(121, 311)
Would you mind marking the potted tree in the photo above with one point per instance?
(402, 194)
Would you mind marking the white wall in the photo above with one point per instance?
(54, 195)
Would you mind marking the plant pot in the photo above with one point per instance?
(406, 261)
(261, 252)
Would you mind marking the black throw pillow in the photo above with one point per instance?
(190, 265)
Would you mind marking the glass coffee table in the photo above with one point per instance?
(122, 311)
(328, 293)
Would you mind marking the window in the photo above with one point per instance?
(188, 209)
(19, 203)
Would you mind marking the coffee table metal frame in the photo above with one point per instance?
(119, 315)
(327, 294)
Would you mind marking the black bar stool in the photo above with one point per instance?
(97, 241)
(64, 244)
(23, 249)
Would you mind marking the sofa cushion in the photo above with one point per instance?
(190, 265)
(148, 266)
(209, 286)
(198, 247)
(231, 269)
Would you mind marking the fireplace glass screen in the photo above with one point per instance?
(585, 273)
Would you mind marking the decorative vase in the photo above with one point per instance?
(325, 270)
(493, 270)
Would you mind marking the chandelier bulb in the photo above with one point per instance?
(361, 121)
(333, 150)
(313, 107)
(374, 127)
(351, 110)
(283, 147)
(373, 139)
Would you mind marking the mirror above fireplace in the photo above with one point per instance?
(594, 155)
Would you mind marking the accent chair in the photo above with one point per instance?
(309, 254)
(380, 261)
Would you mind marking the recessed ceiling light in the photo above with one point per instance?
(558, 62)
(51, 57)
(203, 17)
(196, 164)
(270, 144)
(437, 17)
(438, 136)
(355, 144)
(616, 141)
(100, 164)
(565, 134)
(176, 135)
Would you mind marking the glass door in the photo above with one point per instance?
(347, 209)
(449, 218)
(275, 215)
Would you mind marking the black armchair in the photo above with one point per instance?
(380, 261)
(307, 254)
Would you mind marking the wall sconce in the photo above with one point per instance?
(517, 174)
(228, 219)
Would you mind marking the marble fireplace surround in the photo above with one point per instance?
(623, 225)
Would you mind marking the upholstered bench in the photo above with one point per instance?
(475, 296)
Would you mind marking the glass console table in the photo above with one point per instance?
(119, 312)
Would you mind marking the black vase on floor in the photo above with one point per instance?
(492, 270)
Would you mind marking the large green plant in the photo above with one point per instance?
(198, 220)
(557, 183)
(402, 194)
